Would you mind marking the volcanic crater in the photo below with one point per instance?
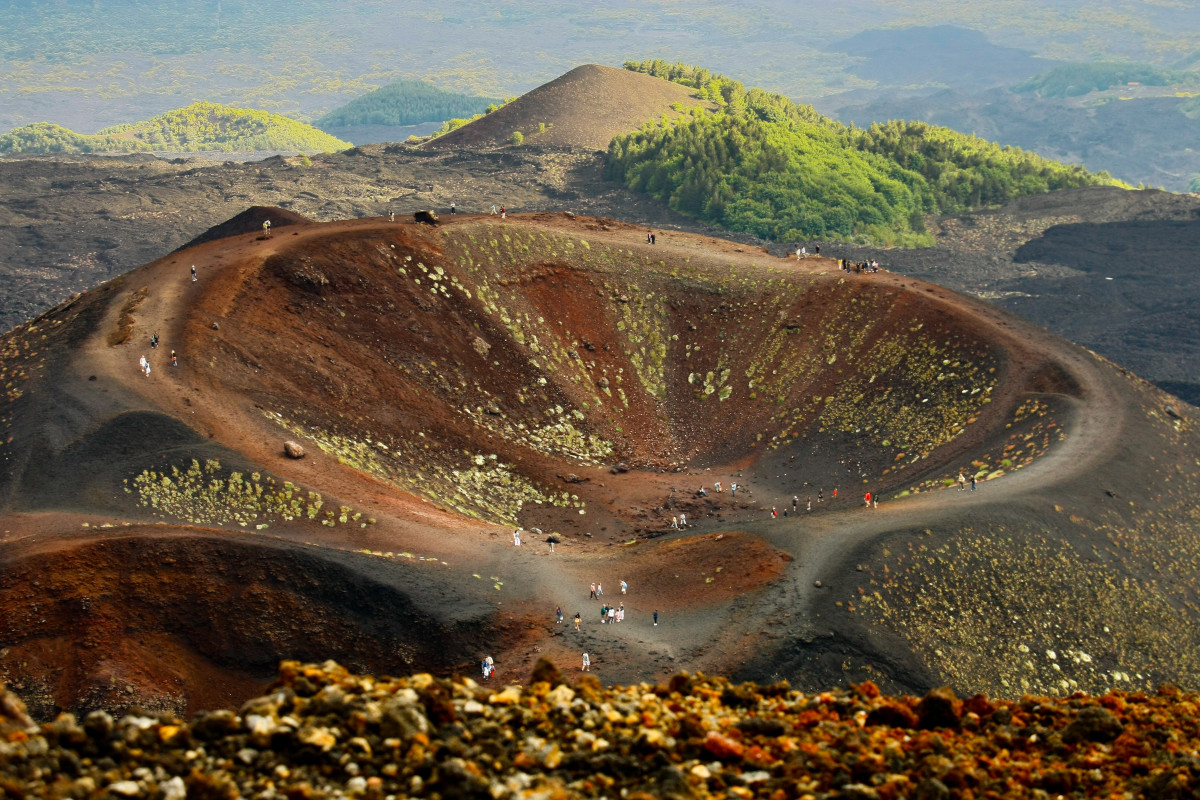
(564, 376)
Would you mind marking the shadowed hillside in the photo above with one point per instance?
(249, 221)
(448, 384)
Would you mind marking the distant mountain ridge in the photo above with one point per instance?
(200, 126)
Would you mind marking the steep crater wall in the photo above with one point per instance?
(181, 621)
(474, 364)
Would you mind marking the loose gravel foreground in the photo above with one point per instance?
(323, 732)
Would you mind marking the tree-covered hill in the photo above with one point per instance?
(200, 126)
(765, 165)
(47, 137)
(405, 102)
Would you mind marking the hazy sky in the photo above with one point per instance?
(91, 63)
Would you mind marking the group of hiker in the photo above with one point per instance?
(846, 265)
(144, 363)
(680, 521)
(871, 499)
(610, 614)
(551, 540)
(501, 210)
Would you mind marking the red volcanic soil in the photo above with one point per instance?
(449, 384)
(586, 107)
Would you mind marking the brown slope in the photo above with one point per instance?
(586, 107)
(444, 380)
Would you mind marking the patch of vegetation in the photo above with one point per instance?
(765, 165)
(1011, 614)
(46, 138)
(1034, 428)
(1076, 80)
(455, 124)
(933, 389)
(548, 346)
(404, 102)
(205, 494)
(1105, 597)
(22, 357)
(120, 334)
(558, 436)
(475, 485)
(200, 126)
(643, 321)
(550, 424)
(1190, 108)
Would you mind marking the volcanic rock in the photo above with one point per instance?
(366, 736)
(1093, 725)
(940, 708)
